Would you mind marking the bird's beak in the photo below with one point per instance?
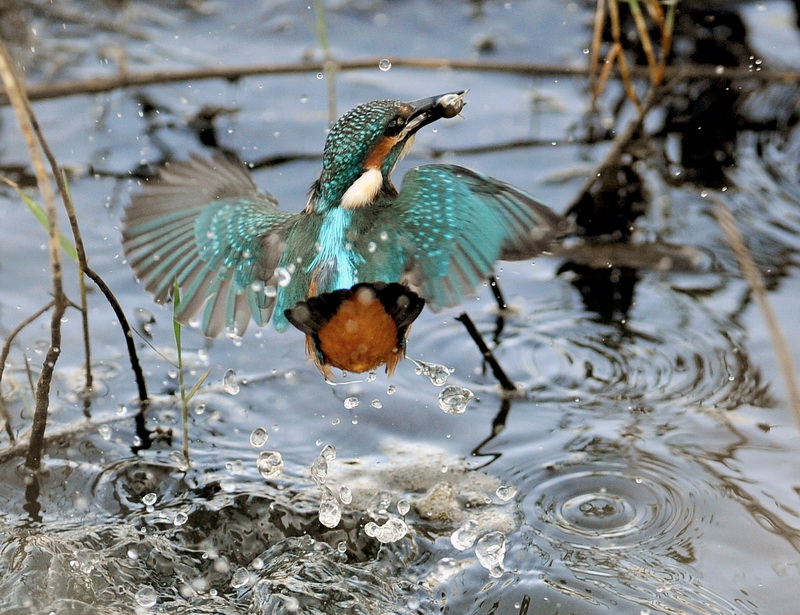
(427, 110)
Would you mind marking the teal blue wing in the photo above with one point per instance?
(204, 224)
(456, 223)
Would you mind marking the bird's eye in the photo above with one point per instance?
(394, 127)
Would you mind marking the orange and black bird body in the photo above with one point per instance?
(205, 226)
(357, 329)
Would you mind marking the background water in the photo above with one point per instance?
(650, 463)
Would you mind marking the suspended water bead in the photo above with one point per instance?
(179, 460)
(506, 492)
(345, 494)
(284, 276)
(385, 64)
(377, 404)
(329, 452)
(490, 551)
(465, 536)
(149, 499)
(351, 402)
(230, 383)
(438, 374)
(259, 437)
(391, 389)
(403, 506)
(319, 470)
(329, 511)
(105, 431)
(454, 399)
(146, 597)
(180, 519)
(269, 464)
(240, 578)
(393, 530)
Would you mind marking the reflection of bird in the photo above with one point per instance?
(357, 329)
(235, 255)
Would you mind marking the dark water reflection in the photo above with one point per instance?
(648, 465)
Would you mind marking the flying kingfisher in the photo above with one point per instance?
(205, 225)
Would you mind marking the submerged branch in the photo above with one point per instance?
(234, 73)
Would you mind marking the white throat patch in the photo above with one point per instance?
(363, 190)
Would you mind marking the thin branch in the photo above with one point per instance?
(505, 382)
(16, 93)
(88, 271)
(4, 352)
(756, 283)
(234, 73)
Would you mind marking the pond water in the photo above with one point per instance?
(649, 463)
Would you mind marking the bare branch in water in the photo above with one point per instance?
(16, 94)
(234, 73)
(4, 357)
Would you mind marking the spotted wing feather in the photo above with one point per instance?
(456, 223)
(204, 224)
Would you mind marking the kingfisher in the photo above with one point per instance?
(204, 225)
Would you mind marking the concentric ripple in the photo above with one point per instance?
(673, 348)
(626, 523)
(612, 508)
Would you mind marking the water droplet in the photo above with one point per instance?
(372, 246)
(230, 383)
(464, 537)
(320, 75)
(384, 64)
(506, 492)
(454, 399)
(391, 531)
(384, 235)
(376, 403)
(179, 461)
(391, 389)
(328, 453)
(345, 494)
(259, 437)
(403, 506)
(438, 374)
(283, 276)
(372, 375)
(351, 402)
(490, 551)
(342, 547)
(269, 464)
(105, 431)
(240, 578)
(149, 499)
(146, 597)
(303, 98)
(270, 291)
(329, 511)
(180, 519)
(319, 470)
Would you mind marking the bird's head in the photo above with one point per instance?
(367, 142)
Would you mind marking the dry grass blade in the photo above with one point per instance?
(16, 94)
(756, 283)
